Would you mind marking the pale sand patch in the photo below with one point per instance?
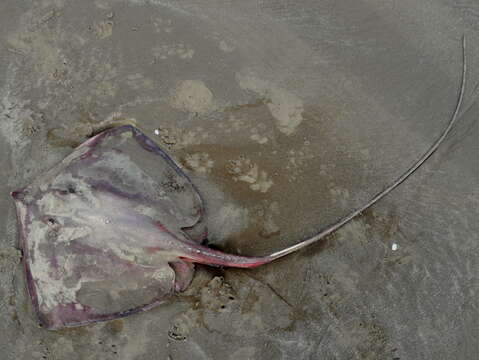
(284, 106)
(192, 96)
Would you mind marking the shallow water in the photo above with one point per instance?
(286, 115)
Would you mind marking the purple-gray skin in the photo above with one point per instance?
(116, 228)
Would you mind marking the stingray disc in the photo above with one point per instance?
(97, 230)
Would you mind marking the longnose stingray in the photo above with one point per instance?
(117, 226)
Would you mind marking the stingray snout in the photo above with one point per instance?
(17, 194)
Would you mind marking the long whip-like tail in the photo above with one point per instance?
(206, 255)
(343, 221)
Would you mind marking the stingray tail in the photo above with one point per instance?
(343, 221)
(204, 255)
(212, 257)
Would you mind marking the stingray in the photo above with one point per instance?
(117, 226)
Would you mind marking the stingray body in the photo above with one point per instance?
(113, 229)
(117, 226)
